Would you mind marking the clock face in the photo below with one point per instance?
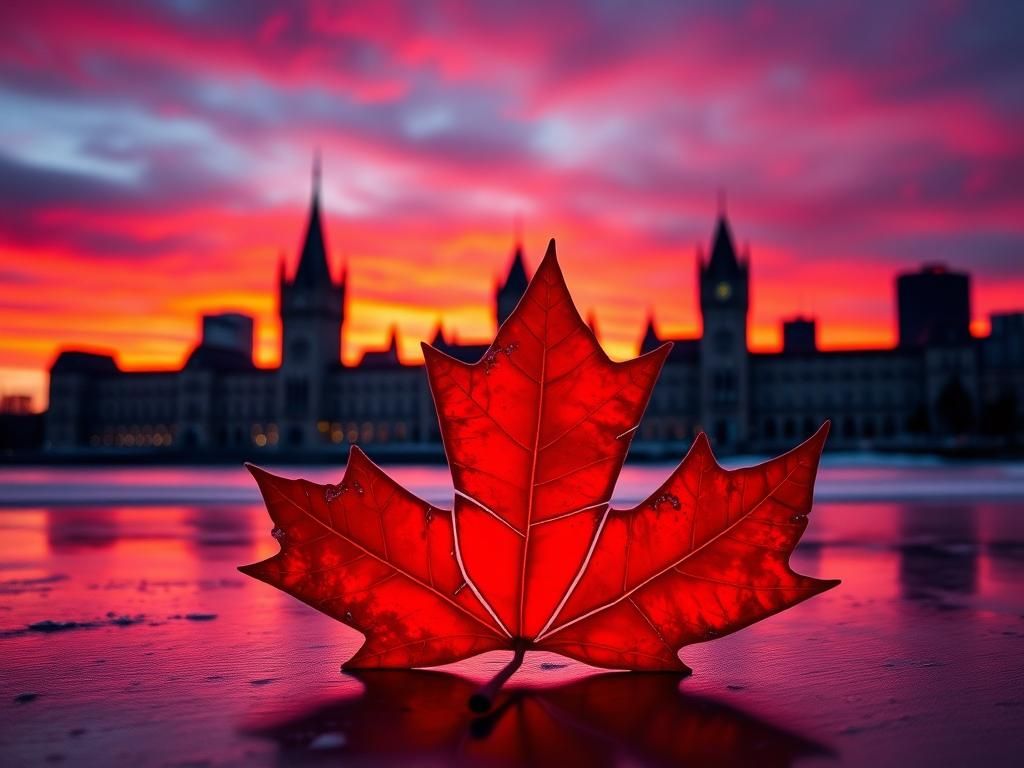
(723, 291)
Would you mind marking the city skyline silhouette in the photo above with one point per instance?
(940, 382)
(156, 164)
(475, 333)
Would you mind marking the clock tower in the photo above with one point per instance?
(312, 307)
(724, 361)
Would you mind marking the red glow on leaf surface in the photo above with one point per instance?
(532, 555)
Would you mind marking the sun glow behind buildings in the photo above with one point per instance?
(155, 165)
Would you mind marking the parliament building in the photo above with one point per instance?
(937, 387)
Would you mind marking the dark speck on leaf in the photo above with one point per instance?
(331, 492)
(262, 681)
(25, 698)
(552, 665)
(491, 359)
(200, 616)
(736, 687)
(666, 498)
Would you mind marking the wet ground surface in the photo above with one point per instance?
(128, 637)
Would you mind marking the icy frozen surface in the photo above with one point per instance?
(128, 637)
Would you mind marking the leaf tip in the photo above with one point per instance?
(253, 570)
(701, 445)
(358, 461)
(432, 357)
(258, 472)
(549, 267)
(361, 659)
(431, 354)
(817, 440)
(661, 353)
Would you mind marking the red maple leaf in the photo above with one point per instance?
(532, 556)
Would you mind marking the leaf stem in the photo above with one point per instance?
(482, 700)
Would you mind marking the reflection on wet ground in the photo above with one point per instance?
(600, 720)
(127, 636)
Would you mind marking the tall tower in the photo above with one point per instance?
(724, 301)
(508, 293)
(934, 307)
(312, 310)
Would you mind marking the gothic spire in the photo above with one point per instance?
(316, 174)
(313, 270)
(723, 262)
(650, 340)
(516, 280)
(439, 341)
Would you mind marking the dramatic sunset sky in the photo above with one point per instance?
(155, 161)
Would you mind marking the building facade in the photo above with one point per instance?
(938, 385)
(220, 402)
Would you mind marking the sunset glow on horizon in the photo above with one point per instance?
(155, 165)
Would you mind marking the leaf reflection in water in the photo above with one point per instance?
(405, 716)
